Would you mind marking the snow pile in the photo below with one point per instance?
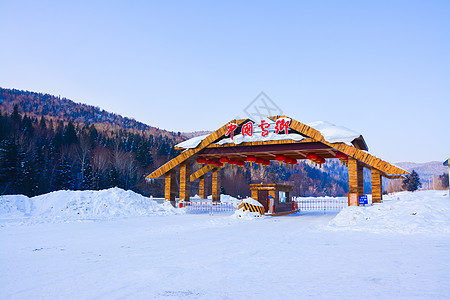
(230, 199)
(252, 202)
(223, 199)
(246, 214)
(81, 205)
(405, 212)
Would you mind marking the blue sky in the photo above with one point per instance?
(381, 68)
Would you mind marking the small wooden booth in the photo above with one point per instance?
(279, 192)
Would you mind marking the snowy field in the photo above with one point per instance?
(115, 244)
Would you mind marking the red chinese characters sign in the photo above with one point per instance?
(281, 125)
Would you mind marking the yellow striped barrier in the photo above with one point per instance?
(252, 208)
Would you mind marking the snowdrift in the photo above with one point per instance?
(243, 213)
(80, 205)
(404, 212)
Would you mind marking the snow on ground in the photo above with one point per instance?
(169, 256)
(405, 212)
(65, 206)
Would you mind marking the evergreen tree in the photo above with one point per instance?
(444, 180)
(27, 126)
(42, 170)
(86, 175)
(42, 123)
(70, 135)
(113, 178)
(27, 180)
(143, 155)
(8, 166)
(412, 182)
(63, 179)
(15, 114)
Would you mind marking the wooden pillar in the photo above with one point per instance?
(254, 194)
(169, 189)
(353, 191)
(377, 186)
(201, 187)
(360, 179)
(185, 183)
(215, 184)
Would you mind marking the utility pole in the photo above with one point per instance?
(447, 163)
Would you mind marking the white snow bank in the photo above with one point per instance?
(252, 201)
(230, 199)
(81, 205)
(223, 199)
(245, 214)
(405, 212)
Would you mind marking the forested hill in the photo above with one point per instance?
(48, 144)
(38, 104)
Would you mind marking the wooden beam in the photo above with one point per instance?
(262, 143)
(394, 176)
(205, 169)
(265, 148)
(215, 185)
(185, 184)
(360, 155)
(190, 152)
(170, 186)
(377, 188)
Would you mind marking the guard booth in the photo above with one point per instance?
(280, 194)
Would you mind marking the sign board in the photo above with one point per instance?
(352, 199)
(363, 200)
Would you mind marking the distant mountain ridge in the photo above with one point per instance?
(426, 170)
(40, 104)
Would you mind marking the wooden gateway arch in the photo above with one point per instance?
(280, 138)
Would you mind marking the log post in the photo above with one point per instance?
(170, 186)
(215, 184)
(377, 186)
(360, 179)
(185, 183)
(353, 191)
(201, 186)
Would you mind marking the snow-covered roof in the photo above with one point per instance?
(192, 143)
(257, 137)
(332, 133)
(338, 138)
